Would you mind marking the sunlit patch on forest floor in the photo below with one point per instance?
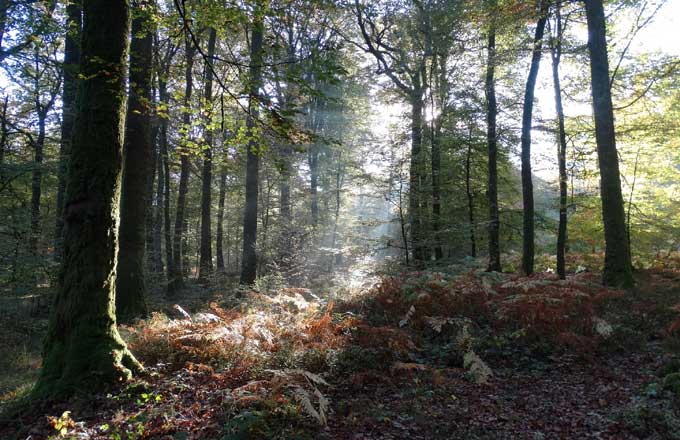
(418, 355)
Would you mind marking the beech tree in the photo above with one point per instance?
(130, 284)
(527, 113)
(492, 144)
(249, 259)
(83, 350)
(617, 264)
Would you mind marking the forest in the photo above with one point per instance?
(339, 219)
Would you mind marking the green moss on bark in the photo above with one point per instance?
(83, 352)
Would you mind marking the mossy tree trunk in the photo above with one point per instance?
(617, 265)
(249, 260)
(528, 229)
(83, 350)
(130, 285)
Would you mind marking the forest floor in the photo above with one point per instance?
(419, 355)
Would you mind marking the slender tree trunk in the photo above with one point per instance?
(313, 162)
(630, 198)
(617, 265)
(176, 279)
(219, 239)
(83, 351)
(163, 147)
(492, 151)
(527, 180)
(284, 187)
(249, 260)
(436, 198)
(3, 138)
(205, 265)
(152, 262)
(415, 218)
(556, 54)
(36, 183)
(130, 283)
(470, 199)
(71, 62)
(158, 210)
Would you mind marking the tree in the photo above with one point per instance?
(70, 84)
(138, 157)
(205, 265)
(527, 112)
(249, 259)
(492, 146)
(617, 264)
(176, 272)
(556, 55)
(408, 73)
(83, 350)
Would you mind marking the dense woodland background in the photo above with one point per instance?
(259, 219)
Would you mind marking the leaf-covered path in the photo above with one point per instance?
(562, 398)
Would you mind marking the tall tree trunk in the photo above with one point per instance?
(415, 214)
(158, 210)
(219, 239)
(163, 152)
(151, 261)
(36, 181)
(176, 279)
(249, 260)
(617, 265)
(205, 265)
(470, 198)
(83, 351)
(70, 66)
(492, 151)
(284, 187)
(130, 283)
(527, 113)
(313, 162)
(556, 54)
(4, 133)
(436, 198)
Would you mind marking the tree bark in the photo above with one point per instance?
(71, 62)
(130, 283)
(492, 152)
(83, 351)
(556, 54)
(176, 279)
(205, 265)
(527, 113)
(249, 259)
(617, 265)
